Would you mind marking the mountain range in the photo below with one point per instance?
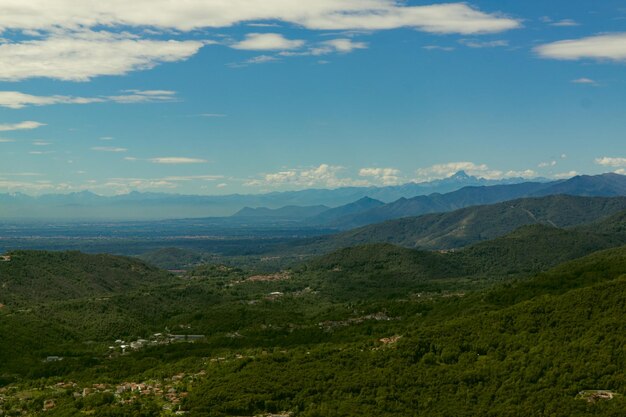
(151, 206)
(463, 227)
(368, 211)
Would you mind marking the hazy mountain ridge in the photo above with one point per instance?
(606, 185)
(146, 206)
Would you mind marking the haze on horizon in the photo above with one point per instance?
(247, 97)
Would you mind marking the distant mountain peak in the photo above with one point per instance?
(461, 175)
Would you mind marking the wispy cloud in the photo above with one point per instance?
(565, 23)
(438, 48)
(547, 164)
(341, 45)
(64, 40)
(41, 152)
(172, 160)
(565, 175)
(108, 149)
(448, 169)
(585, 81)
(185, 178)
(611, 162)
(198, 14)
(473, 43)
(18, 100)
(268, 42)
(385, 176)
(143, 96)
(28, 125)
(324, 175)
(600, 47)
(73, 56)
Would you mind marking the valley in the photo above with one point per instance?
(525, 321)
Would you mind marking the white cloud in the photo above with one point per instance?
(446, 170)
(322, 176)
(4, 140)
(213, 115)
(196, 14)
(547, 164)
(59, 38)
(172, 160)
(126, 185)
(222, 185)
(261, 59)
(472, 43)
(18, 100)
(108, 149)
(194, 178)
(385, 176)
(41, 143)
(342, 45)
(565, 175)
(143, 96)
(28, 186)
(83, 55)
(527, 173)
(585, 81)
(28, 125)
(611, 162)
(565, 23)
(600, 47)
(438, 48)
(21, 174)
(267, 42)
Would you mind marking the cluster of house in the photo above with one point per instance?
(5, 258)
(591, 396)
(170, 391)
(329, 325)
(155, 340)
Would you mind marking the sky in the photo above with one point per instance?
(251, 96)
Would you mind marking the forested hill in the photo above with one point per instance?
(326, 338)
(474, 224)
(28, 277)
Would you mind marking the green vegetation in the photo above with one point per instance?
(528, 324)
(471, 225)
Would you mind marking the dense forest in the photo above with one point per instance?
(527, 324)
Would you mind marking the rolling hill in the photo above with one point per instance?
(36, 276)
(473, 224)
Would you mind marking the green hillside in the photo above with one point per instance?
(372, 330)
(474, 224)
(37, 276)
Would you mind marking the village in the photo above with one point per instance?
(122, 347)
(169, 392)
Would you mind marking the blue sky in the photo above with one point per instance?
(250, 96)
